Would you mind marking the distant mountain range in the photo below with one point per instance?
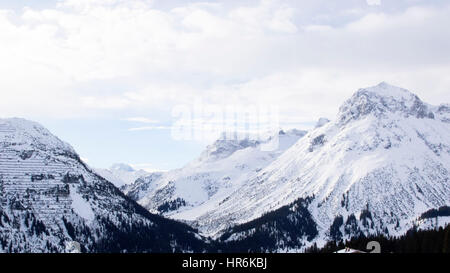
(121, 174)
(381, 166)
(204, 183)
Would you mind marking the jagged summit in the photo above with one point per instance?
(205, 182)
(382, 100)
(388, 90)
(223, 148)
(228, 144)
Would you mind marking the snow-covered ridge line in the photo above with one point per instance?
(49, 198)
(30, 135)
(208, 180)
(121, 175)
(386, 151)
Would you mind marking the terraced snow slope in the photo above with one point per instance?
(49, 198)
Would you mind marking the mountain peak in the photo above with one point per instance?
(387, 90)
(380, 100)
(122, 167)
(50, 198)
(224, 147)
(24, 134)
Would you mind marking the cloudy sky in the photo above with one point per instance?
(105, 75)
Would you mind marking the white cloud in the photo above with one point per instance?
(148, 128)
(269, 14)
(411, 17)
(312, 28)
(148, 59)
(373, 2)
(105, 103)
(141, 120)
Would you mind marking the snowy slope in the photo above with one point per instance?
(121, 174)
(206, 182)
(49, 198)
(386, 155)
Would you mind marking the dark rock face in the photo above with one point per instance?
(317, 141)
(444, 112)
(419, 109)
(140, 185)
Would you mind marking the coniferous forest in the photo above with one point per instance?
(414, 241)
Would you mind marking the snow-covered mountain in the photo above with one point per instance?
(121, 174)
(381, 166)
(382, 162)
(50, 198)
(206, 182)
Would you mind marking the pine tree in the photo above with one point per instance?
(446, 247)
